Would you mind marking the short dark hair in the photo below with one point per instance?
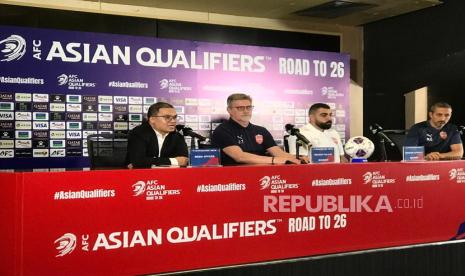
(155, 108)
(317, 106)
(237, 97)
(439, 105)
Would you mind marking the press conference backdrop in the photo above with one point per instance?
(58, 87)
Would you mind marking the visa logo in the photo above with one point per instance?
(74, 134)
(6, 115)
(120, 100)
(40, 125)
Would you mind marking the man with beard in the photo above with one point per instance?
(242, 142)
(318, 131)
(155, 142)
(440, 138)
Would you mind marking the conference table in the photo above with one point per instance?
(142, 221)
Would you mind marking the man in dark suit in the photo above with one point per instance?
(155, 142)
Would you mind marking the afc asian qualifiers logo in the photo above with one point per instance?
(138, 188)
(164, 83)
(12, 48)
(276, 184)
(367, 177)
(62, 79)
(65, 244)
(153, 190)
(457, 175)
(265, 182)
(377, 179)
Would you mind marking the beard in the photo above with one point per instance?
(325, 125)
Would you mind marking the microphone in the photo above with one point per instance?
(187, 131)
(376, 129)
(296, 132)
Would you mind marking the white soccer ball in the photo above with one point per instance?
(359, 147)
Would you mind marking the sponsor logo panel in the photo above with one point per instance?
(39, 107)
(73, 116)
(23, 116)
(73, 107)
(40, 125)
(4, 96)
(57, 107)
(39, 134)
(40, 153)
(40, 144)
(5, 106)
(23, 144)
(73, 152)
(55, 125)
(7, 153)
(42, 98)
(23, 153)
(40, 116)
(6, 125)
(23, 106)
(7, 134)
(57, 134)
(92, 117)
(57, 98)
(57, 153)
(23, 125)
(7, 116)
(23, 97)
(57, 143)
(23, 134)
(7, 144)
(73, 134)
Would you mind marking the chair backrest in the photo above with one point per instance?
(397, 136)
(107, 150)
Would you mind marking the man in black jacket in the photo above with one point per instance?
(156, 142)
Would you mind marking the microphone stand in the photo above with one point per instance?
(193, 143)
(298, 143)
(383, 149)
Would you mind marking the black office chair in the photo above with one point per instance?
(385, 150)
(107, 150)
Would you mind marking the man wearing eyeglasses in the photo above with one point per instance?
(155, 142)
(244, 143)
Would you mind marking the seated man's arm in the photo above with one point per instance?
(281, 156)
(240, 156)
(180, 153)
(455, 153)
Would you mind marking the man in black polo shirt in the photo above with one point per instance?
(441, 139)
(244, 143)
